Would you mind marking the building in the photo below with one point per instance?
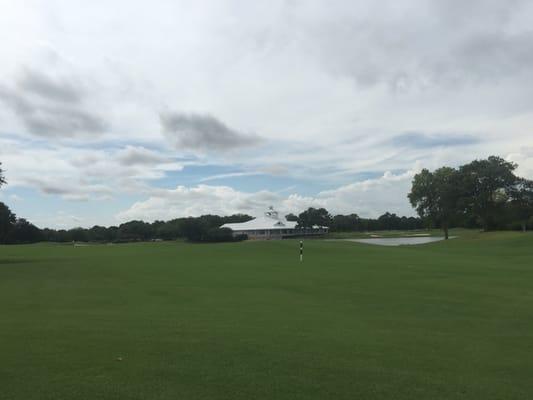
(272, 226)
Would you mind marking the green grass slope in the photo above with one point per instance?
(449, 320)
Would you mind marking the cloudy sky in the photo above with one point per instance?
(119, 110)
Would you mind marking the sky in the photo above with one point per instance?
(119, 110)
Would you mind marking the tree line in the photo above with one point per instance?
(353, 223)
(194, 229)
(200, 229)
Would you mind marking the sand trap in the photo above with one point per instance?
(398, 241)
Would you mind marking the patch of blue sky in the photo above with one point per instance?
(308, 182)
(238, 179)
(190, 175)
(45, 209)
(424, 141)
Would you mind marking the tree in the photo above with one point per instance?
(219, 235)
(78, 235)
(24, 231)
(98, 234)
(135, 230)
(2, 179)
(7, 220)
(169, 230)
(435, 195)
(193, 229)
(521, 201)
(236, 218)
(314, 216)
(485, 185)
(291, 217)
(345, 223)
(389, 221)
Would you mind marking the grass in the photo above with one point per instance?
(449, 320)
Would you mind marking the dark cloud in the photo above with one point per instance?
(63, 89)
(424, 141)
(203, 132)
(48, 187)
(139, 156)
(67, 188)
(492, 54)
(51, 108)
(459, 12)
(444, 43)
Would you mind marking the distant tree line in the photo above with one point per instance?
(194, 229)
(199, 229)
(353, 223)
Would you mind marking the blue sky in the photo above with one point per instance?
(121, 110)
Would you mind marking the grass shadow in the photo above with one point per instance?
(16, 261)
(13, 261)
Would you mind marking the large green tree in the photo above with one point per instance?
(434, 195)
(485, 185)
(7, 221)
(314, 216)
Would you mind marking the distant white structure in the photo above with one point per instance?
(272, 226)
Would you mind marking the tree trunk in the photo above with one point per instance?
(445, 229)
(524, 226)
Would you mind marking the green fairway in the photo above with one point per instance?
(449, 320)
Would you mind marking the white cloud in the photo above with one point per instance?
(59, 220)
(369, 198)
(202, 199)
(78, 174)
(524, 159)
(230, 175)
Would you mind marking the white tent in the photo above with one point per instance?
(270, 226)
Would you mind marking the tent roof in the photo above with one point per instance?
(262, 223)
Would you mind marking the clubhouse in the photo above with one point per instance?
(272, 226)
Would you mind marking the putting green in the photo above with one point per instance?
(447, 320)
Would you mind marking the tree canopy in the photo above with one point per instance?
(485, 185)
(521, 201)
(7, 221)
(435, 196)
(485, 193)
(314, 216)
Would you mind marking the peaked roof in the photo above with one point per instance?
(270, 220)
